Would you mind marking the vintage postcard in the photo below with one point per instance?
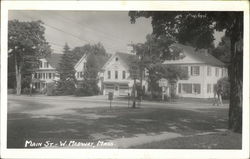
(124, 79)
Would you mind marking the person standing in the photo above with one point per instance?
(219, 94)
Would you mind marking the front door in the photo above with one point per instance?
(116, 90)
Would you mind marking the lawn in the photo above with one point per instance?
(149, 126)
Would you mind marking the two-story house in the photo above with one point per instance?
(204, 71)
(115, 76)
(46, 73)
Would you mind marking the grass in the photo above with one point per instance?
(220, 140)
(82, 123)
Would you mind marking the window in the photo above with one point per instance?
(109, 74)
(208, 71)
(185, 68)
(43, 75)
(46, 75)
(123, 74)
(116, 74)
(187, 88)
(179, 88)
(209, 88)
(195, 70)
(216, 72)
(54, 75)
(197, 88)
(116, 59)
(49, 75)
(40, 64)
(81, 74)
(46, 64)
(78, 75)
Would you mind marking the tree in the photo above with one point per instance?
(78, 52)
(66, 70)
(222, 51)
(196, 28)
(151, 55)
(96, 57)
(26, 44)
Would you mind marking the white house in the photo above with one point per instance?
(79, 67)
(46, 72)
(204, 71)
(115, 75)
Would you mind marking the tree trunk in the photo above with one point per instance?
(236, 78)
(18, 77)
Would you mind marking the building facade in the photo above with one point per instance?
(115, 75)
(46, 73)
(203, 70)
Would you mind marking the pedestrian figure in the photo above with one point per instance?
(218, 95)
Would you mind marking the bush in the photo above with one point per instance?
(65, 88)
(87, 88)
(224, 82)
(51, 89)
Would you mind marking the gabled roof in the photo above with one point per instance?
(81, 59)
(197, 55)
(54, 59)
(125, 58)
(128, 59)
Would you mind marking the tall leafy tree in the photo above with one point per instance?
(79, 51)
(223, 51)
(26, 44)
(66, 84)
(96, 57)
(152, 53)
(196, 28)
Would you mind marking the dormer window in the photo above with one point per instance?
(116, 59)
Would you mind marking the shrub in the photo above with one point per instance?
(51, 89)
(65, 87)
(87, 88)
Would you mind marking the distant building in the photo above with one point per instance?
(115, 75)
(79, 67)
(46, 72)
(203, 69)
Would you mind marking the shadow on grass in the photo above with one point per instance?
(92, 124)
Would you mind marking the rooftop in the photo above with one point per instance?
(199, 55)
(54, 59)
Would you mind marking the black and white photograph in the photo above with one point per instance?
(125, 79)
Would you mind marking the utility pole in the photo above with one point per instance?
(134, 97)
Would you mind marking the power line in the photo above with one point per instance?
(53, 27)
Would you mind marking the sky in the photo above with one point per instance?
(77, 28)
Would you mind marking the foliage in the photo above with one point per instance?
(152, 53)
(26, 44)
(65, 87)
(67, 82)
(222, 51)
(66, 66)
(224, 82)
(51, 89)
(196, 28)
(88, 88)
(96, 49)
